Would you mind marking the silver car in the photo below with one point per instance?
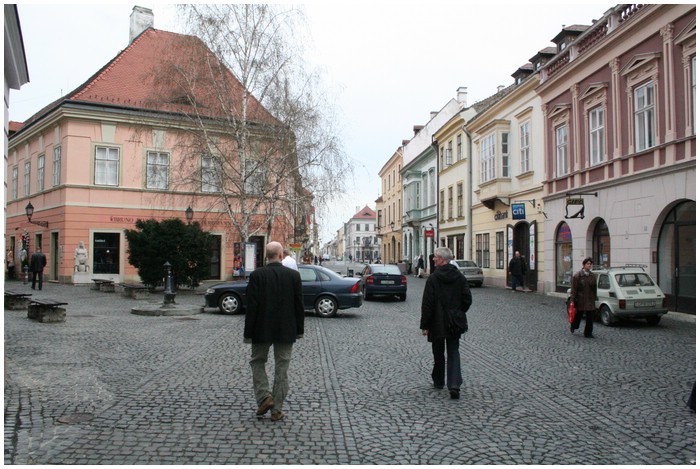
(473, 273)
(628, 293)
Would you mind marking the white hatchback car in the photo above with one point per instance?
(628, 292)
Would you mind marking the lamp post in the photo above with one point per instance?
(168, 294)
(29, 210)
(189, 213)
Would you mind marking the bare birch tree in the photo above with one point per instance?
(260, 138)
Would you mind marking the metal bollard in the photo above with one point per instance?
(26, 274)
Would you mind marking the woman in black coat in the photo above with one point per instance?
(445, 289)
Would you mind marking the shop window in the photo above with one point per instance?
(563, 249)
(105, 250)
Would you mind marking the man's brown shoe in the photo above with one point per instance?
(277, 416)
(265, 405)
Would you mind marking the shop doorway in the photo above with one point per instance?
(676, 258)
(54, 250)
(215, 270)
(523, 238)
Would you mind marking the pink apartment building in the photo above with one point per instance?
(620, 123)
(109, 153)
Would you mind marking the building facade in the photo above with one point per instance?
(390, 208)
(619, 108)
(116, 150)
(361, 242)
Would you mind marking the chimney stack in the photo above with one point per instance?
(141, 20)
(462, 95)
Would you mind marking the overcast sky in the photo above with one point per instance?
(386, 65)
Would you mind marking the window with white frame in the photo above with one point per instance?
(596, 136)
(448, 154)
(27, 172)
(505, 154)
(459, 147)
(157, 169)
(644, 122)
(255, 176)
(418, 189)
(15, 182)
(40, 172)
(431, 175)
(450, 203)
(210, 174)
(56, 171)
(107, 166)
(460, 200)
(488, 158)
(442, 158)
(424, 189)
(525, 147)
(442, 205)
(562, 144)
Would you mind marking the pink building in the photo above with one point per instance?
(117, 149)
(619, 104)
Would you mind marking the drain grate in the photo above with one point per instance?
(75, 418)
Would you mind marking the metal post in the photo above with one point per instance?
(168, 294)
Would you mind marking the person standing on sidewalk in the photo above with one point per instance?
(517, 270)
(36, 267)
(289, 261)
(584, 290)
(445, 289)
(274, 318)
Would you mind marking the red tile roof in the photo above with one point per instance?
(150, 74)
(365, 213)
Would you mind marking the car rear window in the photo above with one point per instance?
(386, 269)
(632, 280)
(466, 264)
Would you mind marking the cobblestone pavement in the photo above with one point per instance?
(110, 387)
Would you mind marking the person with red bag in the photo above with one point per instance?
(583, 294)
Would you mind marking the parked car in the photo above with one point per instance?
(628, 292)
(473, 273)
(325, 292)
(382, 279)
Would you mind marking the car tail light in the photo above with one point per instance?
(355, 288)
(403, 280)
(370, 280)
(622, 304)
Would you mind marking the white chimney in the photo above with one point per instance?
(462, 95)
(141, 20)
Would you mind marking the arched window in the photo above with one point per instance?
(563, 249)
(601, 244)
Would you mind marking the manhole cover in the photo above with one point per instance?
(75, 418)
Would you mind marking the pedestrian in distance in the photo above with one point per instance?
(36, 267)
(10, 262)
(289, 261)
(421, 266)
(517, 268)
(274, 319)
(584, 291)
(445, 289)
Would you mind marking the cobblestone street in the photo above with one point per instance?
(178, 389)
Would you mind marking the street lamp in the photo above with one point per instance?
(29, 210)
(392, 226)
(189, 213)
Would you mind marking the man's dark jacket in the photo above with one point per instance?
(445, 289)
(37, 262)
(274, 305)
(517, 266)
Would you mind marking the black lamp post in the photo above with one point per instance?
(168, 294)
(29, 210)
(189, 213)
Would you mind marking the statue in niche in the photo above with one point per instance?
(81, 257)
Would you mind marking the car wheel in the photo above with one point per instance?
(365, 295)
(653, 321)
(326, 306)
(606, 316)
(229, 303)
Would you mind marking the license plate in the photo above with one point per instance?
(387, 282)
(644, 304)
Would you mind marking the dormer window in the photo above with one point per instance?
(562, 46)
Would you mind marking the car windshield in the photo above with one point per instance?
(386, 269)
(466, 263)
(633, 280)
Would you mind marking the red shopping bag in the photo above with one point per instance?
(572, 312)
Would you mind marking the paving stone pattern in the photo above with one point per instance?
(165, 390)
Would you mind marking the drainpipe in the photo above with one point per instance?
(469, 192)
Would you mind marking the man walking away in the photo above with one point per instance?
(445, 289)
(274, 318)
(289, 261)
(36, 267)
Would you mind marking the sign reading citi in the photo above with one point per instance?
(518, 211)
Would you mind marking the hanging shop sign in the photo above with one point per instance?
(429, 233)
(518, 211)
